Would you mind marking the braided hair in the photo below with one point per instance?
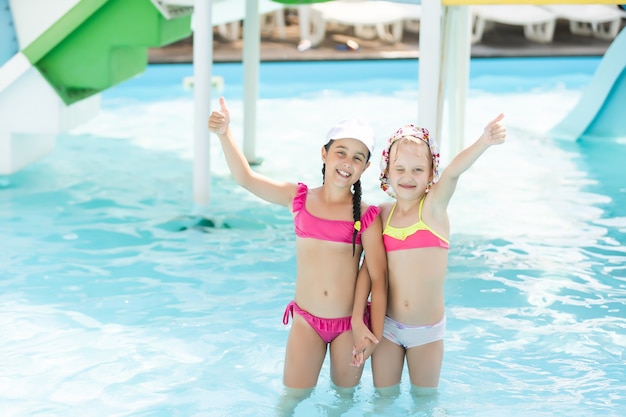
(356, 201)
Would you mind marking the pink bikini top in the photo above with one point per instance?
(418, 235)
(307, 225)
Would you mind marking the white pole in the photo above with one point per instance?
(304, 20)
(459, 54)
(251, 63)
(429, 81)
(202, 63)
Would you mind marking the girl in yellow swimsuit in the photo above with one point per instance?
(416, 236)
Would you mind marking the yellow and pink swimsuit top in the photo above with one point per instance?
(308, 225)
(418, 235)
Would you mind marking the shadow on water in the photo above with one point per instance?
(189, 222)
(246, 218)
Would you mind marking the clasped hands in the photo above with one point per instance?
(364, 344)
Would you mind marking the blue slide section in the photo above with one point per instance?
(8, 40)
(600, 112)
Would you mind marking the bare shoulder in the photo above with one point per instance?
(365, 205)
(286, 192)
(434, 211)
(438, 196)
(385, 209)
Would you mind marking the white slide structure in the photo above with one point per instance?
(56, 57)
(31, 111)
(601, 108)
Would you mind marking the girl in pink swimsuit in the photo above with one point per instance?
(333, 228)
(415, 235)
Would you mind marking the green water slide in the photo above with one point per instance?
(100, 43)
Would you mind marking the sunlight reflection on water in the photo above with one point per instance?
(114, 304)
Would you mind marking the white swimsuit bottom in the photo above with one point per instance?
(411, 336)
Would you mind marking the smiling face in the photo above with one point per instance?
(345, 161)
(408, 132)
(410, 168)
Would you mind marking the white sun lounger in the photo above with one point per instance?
(369, 19)
(538, 22)
(412, 16)
(228, 14)
(600, 21)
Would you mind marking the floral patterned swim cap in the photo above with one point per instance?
(416, 132)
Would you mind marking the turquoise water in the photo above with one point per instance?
(113, 303)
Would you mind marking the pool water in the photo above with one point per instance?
(115, 302)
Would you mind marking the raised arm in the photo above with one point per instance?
(272, 191)
(494, 134)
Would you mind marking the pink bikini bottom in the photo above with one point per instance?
(328, 329)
